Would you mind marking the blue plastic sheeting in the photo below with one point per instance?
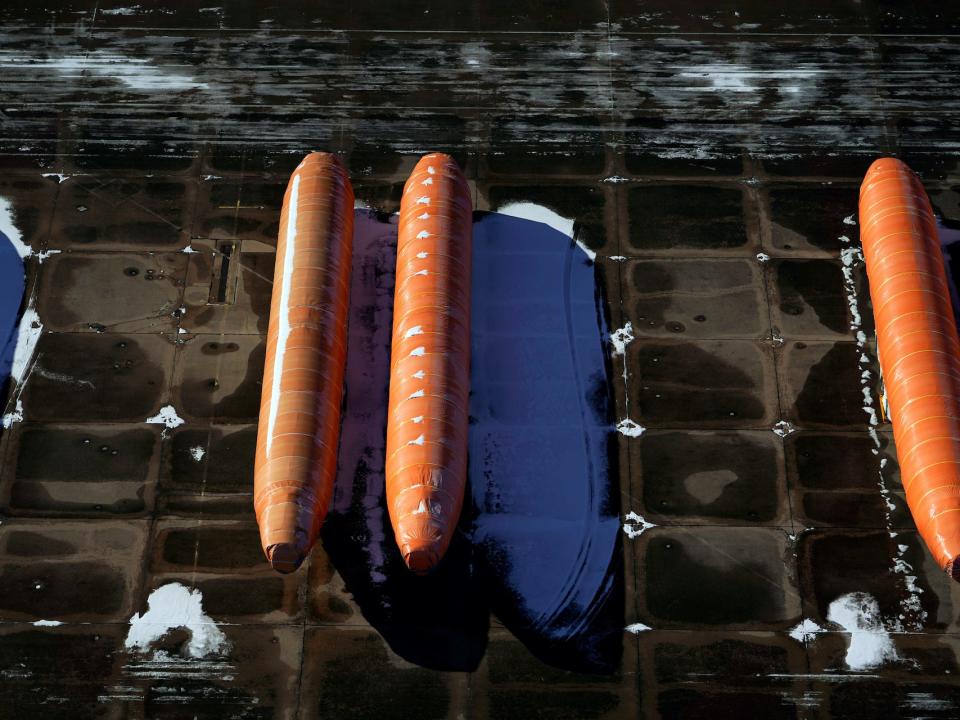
(538, 543)
(546, 526)
(11, 294)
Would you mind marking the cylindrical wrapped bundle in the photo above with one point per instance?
(426, 466)
(918, 347)
(299, 427)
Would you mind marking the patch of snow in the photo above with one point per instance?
(28, 334)
(133, 10)
(189, 250)
(197, 452)
(634, 525)
(849, 219)
(45, 254)
(763, 258)
(13, 417)
(637, 628)
(618, 258)
(736, 78)
(805, 631)
(870, 644)
(47, 623)
(59, 176)
(783, 428)
(540, 214)
(167, 416)
(629, 428)
(621, 338)
(616, 179)
(174, 606)
(135, 73)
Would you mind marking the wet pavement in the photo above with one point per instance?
(709, 158)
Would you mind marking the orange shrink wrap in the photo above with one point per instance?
(426, 465)
(918, 348)
(299, 427)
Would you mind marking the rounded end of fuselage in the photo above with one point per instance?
(285, 558)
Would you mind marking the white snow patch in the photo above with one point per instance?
(622, 337)
(135, 73)
(736, 78)
(423, 234)
(618, 258)
(637, 628)
(783, 428)
(850, 219)
(616, 179)
(47, 623)
(870, 644)
(805, 631)
(45, 254)
(167, 416)
(629, 428)
(13, 417)
(418, 351)
(197, 452)
(419, 441)
(189, 250)
(28, 334)
(423, 200)
(634, 525)
(175, 606)
(538, 213)
(132, 10)
(415, 330)
(59, 176)
(763, 258)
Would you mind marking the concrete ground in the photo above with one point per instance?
(710, 158)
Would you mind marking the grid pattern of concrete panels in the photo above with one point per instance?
(754, 532)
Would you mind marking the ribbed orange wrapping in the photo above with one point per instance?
(299, 425)
(919, 349)
(426, 466)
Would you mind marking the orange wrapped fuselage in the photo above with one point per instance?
(918, 347)
(426, 465)
(299, 426)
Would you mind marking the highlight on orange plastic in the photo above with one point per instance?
(918, 347)
(299, 426)
(426, 464)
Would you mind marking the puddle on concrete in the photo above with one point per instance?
(539, 546)
(811, 218)
(721, 475)
(812, 299)
(738, 573)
